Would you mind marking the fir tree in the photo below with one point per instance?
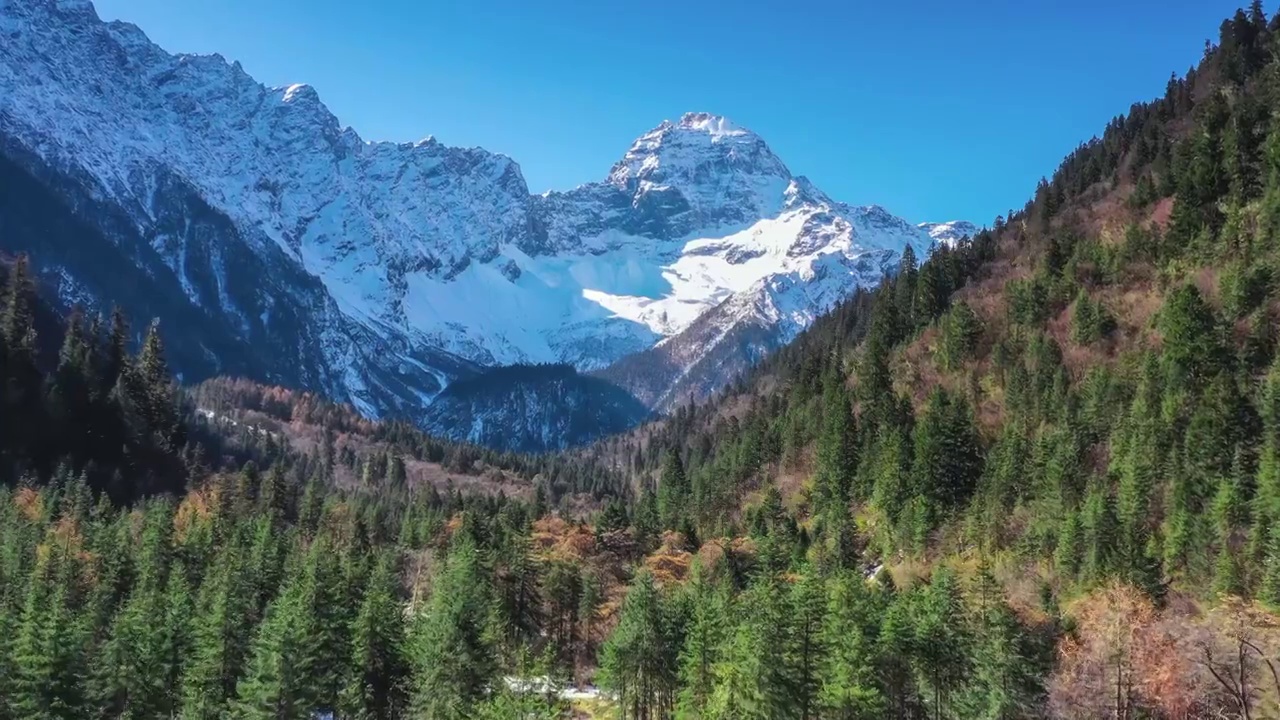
(638, 662)
(673, 492)
(707, 628)
(837, 458)
(47, 655)
(453, 649)
(850, 689)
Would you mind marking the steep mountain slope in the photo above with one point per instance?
(296, 252)
(730, 337)
(532, 408)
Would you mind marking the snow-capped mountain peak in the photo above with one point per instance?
(949, 233)
(720, 170)
(410, 264)
(717, 126)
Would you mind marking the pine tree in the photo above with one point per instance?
(647, 522)
(1005, 680)
(931, 294)
(673, 492)
(755, 676)
(808, 608)
(70, 392)
(175, 639)
(837, 458)
(219, 642)
(897, 645)
(519, 586)
(1229, 513)
(1097, 525)
(942, 643)
(1269, 592)
(452, 642)
(709, 608)
(278, 680)
(1137, 445)
(948, 459)
(1269, 219)
(116, 352)
(1090, 321)
(561, 589)
(132, 666)
(1189, 331)
(638, 662)
(875, 384)
(960, 332)
(21, 414)
(849, 687)
(47, 655)
(1067, 553)
(904, 287)
(588, 606)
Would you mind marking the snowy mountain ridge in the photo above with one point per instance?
(429, 261)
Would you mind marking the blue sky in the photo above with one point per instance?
(936, 109)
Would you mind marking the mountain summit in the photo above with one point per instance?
(275, 243)
(724, 172)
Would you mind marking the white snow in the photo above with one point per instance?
(292, 92)
(949, 233)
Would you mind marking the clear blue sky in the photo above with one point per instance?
(936, 109)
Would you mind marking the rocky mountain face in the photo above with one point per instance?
(274, 243)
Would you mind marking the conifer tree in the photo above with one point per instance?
(874, 383)
(755, 677)
(175, 639)
(942, 657)
(453, 649)
(1005, 673)
(48, 661)
(70, 392)
(837, 458)
(1137, 446)
(1189, 331)
(707, 628)
(132, 665)
(904, 287)
(219, 641)
(1067, 553)
(21, 413)
(849, 686)
(520, 590)
(808, 610)
(1269, 592)
(647, 523)
(960, 332)
(638, 662)
(673, 492)
(275, 684)
(948, 460)
(1097, 526)
(116, 352)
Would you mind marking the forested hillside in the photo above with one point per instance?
(532, 408)
(1033, 475)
